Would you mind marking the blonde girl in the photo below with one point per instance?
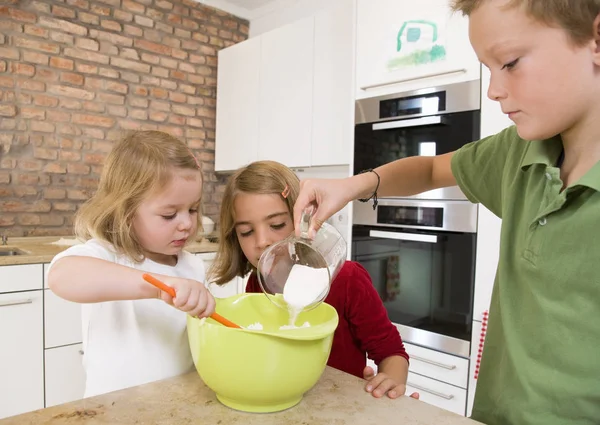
(257, 212)
(143, 213)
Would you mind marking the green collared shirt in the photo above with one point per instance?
(541, 359)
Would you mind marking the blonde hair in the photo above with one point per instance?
(140, 164)
(261, 177)
(576, 17)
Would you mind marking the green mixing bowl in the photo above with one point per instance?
(261, 371)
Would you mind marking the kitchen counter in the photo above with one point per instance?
(42, 249)
(338, 398)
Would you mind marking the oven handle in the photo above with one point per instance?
(415, 122)
(413, 237)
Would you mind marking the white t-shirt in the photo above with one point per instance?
(129, 343)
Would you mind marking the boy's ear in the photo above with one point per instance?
(596, 39)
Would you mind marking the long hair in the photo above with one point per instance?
(261, 177)
(138, 165)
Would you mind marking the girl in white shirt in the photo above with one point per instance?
(138, 221)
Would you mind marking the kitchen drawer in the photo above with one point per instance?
(21, 353)
(23, 277)
(62, 323)
(65, 376)
(440, 366)
(437, 393)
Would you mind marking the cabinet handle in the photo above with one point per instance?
(419, 77)
(16, 302)
(427, 390)
(431, 362)
(81, 352)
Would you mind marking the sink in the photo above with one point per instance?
(11, 251)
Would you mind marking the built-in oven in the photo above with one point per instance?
(420, 255)
(424, 122)
(420, 250)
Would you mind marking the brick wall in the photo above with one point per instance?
(76, 74)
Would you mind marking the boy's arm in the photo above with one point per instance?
(403, 177)
(408, 176)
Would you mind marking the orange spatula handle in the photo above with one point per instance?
(151, 279)
(160, 285)
(224, 321)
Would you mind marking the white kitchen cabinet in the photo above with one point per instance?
(405, 45)
(333, 97)
(286, 93)
(22, 351)
(302, 113)
(237, 105)
(62, 324)
(23, 277)
(437, 393)
(65, 376)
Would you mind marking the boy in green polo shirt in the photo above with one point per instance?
(541, 362)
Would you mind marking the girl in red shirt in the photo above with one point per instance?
(256, 212)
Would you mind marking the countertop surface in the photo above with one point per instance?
(338, 398)
(43, 249)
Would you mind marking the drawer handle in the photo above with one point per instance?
(16, 302)
(431, 362)
(427, 390)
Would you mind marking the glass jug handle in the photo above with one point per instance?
(305, 219)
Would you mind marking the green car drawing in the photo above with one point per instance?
(417, 44)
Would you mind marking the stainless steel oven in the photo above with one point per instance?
(420, 255)
(424, 122)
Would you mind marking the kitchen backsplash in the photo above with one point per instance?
(76, 74)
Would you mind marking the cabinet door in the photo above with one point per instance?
(286, 93)
(65, 376)
(405, 45)
(236, 142)
(333, 100)
(23, 277)
(62, 324)
(21, 353)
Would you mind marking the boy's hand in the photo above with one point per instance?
(381, 384)
(191, 296)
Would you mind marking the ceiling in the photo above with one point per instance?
(247, 9)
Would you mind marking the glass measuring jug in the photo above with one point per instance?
(296, 273)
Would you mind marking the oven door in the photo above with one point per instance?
(378, 143)
(424, 278)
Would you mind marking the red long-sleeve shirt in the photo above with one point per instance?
(364, 327)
